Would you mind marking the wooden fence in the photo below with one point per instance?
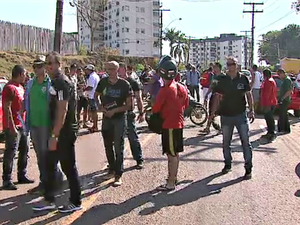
(33, 39)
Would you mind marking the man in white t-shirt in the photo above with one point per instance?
(92, 83)
(256, 82)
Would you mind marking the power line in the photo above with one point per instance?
(286, 15)
(253, 12)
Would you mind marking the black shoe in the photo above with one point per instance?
(226, 169)
(272, 138)
(48, 206)
(8, 185)
(248, 174)
(25, 180)
(69, 208)
(140, 165)
(37, 190)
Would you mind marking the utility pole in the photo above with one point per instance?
(253, 12)
(58, 25)
(246, 47)
(161, 28)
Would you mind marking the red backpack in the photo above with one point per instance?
(205, 79)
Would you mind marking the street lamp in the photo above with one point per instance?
(172, 22)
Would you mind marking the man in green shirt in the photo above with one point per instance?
(286, 90)
(38, 117)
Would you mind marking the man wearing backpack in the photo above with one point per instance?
(171, 101)
(192, 81)
(205, 80)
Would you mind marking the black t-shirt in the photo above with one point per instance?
(134, 84)
(233, 91)
(62, 89)
(114, 95)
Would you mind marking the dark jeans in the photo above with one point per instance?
(133, 138)
(40, 137)
(113, 132)
(283, 120)
(12, 145)
(241, 123)
(65, 153)
(194, 89)
(269, 117)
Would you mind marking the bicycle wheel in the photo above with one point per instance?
(198, 115)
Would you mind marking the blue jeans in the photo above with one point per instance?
(14, 143)
(40, 137)
(133, 138)
(241, 123)
(113, 133)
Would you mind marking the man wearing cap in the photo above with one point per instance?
(37, 101)
(116, 98)
(92, 83)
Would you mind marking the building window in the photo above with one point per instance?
(155, 24)
(117, 3)
(142, 20)
(127, 30)
(142, 9)
(155, 3)
(137, 20)
(155, 34)
(126, 7)
(127, 51)
(137, 30)
(122, 29)
(118, 34)
(137, 9)
(143, 31)
(110, 27)
(155, 14)
(117, 24)
(118, 45)
(126, 19)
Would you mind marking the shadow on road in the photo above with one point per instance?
(153, 201)
(18, 209)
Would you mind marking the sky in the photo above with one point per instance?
(200, 18)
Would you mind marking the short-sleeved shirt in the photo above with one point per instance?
(62, 89)
(233, 91)
(286, 86)
(214, 81)
(13, 92)
(114, 95)
(39, 113)
(171, 102)
(92, 82)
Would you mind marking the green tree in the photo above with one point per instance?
(296, 5)
(171, 35)
(279, 44)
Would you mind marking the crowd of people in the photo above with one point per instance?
(54, 105)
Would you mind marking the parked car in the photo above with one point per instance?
(247, 74)
(295, 104)
(3, 81)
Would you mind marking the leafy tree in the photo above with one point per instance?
(172, 36)
(279, 44)
(296, 5)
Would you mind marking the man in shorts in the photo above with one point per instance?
(171, 101)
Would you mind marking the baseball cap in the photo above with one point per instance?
(89, 67)
(40, 59)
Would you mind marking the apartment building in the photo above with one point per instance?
(210, 50)
(132, 27)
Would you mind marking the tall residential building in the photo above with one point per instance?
(130, 26)
(210, 50)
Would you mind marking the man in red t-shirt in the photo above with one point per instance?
(171, 101)
(14, 129)
(268, 102)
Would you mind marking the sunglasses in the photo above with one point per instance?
(230, 64)
(38, 66)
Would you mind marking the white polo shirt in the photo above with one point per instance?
(93, 83)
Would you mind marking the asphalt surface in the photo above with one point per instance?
(203, 195)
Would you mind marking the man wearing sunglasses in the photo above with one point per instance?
(37, 99)
(230, 96)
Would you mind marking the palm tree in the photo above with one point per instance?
(181, 48)
(171, 35)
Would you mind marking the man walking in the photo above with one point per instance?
(92, 83)
(286, 90)
(116, 98)
(192, 81)
(37, 100)
(172, 99)
(16, 138)
(256, 82)
(133, 137)
(63, 136)
(230, 92)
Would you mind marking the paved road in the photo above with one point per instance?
(203, 196)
